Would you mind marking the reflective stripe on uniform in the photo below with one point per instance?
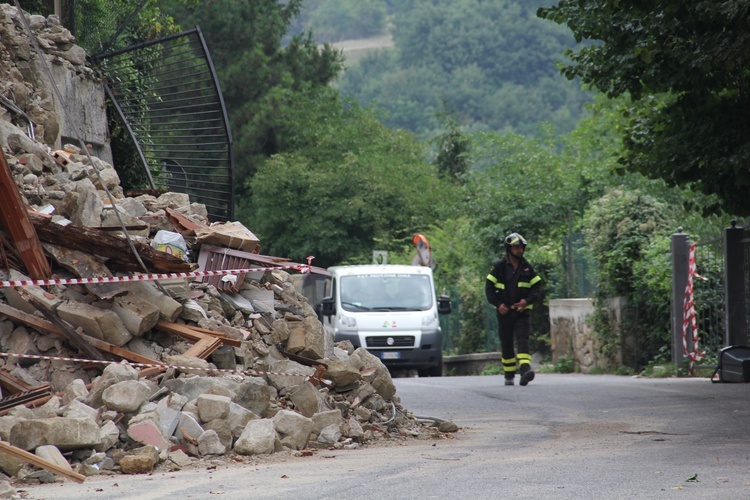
(509, 363)
(524, 359)
(529, 284)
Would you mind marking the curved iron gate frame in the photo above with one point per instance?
(227, 213)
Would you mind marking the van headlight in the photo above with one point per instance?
(348, 321)
(430, 321)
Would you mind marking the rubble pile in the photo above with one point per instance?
(179, 369)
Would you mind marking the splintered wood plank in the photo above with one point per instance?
(15, 219)
(203, 348)
(194, 334)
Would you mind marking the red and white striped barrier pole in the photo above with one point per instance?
(688, 313)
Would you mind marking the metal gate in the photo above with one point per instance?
(721, 292)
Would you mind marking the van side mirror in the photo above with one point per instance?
(444, 304)
(328, 306)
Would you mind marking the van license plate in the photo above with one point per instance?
(390, 355)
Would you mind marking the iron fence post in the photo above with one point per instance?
(734, 286)
(680, 243)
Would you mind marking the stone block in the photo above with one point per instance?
(10, 464)
(137, 464)
(190, 426)
(257, 438)
(126, 396)
(110, 436)
(305, 399)
(330, 434)
(239, 417)
(293, 429)
(326, 418)
(65, 433)
(102, 324)
(78, 409)
(210, 444)
(137, 313)
(169, 309)
(212, 407)
(111, 375)
(15, 299)
(223, 429)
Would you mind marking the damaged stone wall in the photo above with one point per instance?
(24, 81)
(248, 372)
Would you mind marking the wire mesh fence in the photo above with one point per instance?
(167, 93)
(708, 293)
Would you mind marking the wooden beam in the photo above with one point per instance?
(194, 334)
(115, 248)
(15, 219)
(32, 459)
(29, 319)
(204, 348)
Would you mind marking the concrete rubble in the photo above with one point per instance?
(121, 418)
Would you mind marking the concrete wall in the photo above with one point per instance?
(470, 364)
(571, 334)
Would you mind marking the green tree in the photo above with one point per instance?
(493, 62)
(352, 186)
(627, 231)
(452, 148)
(685, 64)
(264, 81)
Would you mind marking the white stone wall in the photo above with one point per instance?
(572, 335)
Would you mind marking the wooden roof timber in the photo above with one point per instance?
(15, 220)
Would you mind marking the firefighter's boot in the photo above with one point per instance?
(509, 380)
(527, 374)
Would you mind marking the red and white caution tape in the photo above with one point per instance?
(148, 277)
(156, 365)
(688, 313)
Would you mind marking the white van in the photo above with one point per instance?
(391, 310)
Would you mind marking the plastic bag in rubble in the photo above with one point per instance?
(171, 243)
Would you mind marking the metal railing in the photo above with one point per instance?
(709, 296)
(168, 96)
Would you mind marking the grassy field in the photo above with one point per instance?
(354, 50)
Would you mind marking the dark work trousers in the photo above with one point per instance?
(513, 327)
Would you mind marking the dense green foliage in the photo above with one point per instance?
(96, 22)
(352, 184)
(624, 227)
(269, 87)
(686, 66)
(493, 62)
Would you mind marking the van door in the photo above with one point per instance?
(329, 320)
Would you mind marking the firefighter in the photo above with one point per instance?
(512, 287)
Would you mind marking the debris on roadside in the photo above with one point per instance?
(124, 352)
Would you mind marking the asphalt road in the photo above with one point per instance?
(563, 436)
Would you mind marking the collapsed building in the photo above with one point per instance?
(134, 332)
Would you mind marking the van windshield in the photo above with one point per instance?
(386, 292)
